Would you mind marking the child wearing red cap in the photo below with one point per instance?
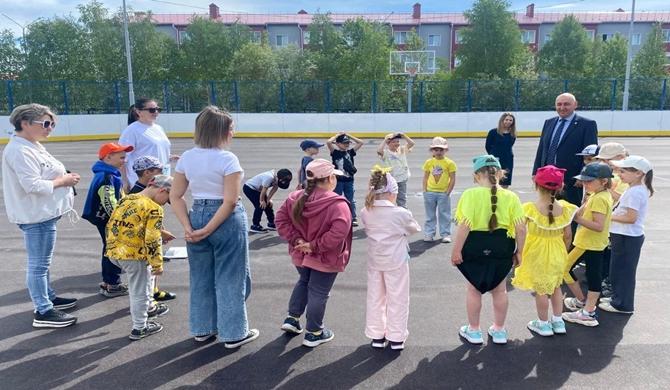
(103, 196)
(545, 251)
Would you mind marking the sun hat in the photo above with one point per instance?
(591, 150)
(146, 162)
(321, 168)
(549, 177)
(485, 160)
(113, 147)
(161, 181)
(638, 162)
(610, 150)
(595, 170)
(439, 142)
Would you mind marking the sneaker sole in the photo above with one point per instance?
(397, 347)
(52, 324)
(610, 309)
(312, 344)
(108, 294)
(562, 331)
(539, 332)
(590, 324)
(378, 345)
(291, 329)
(65, 307)
(255, 333)
(470, 340)
(202, 339)
(135, 338)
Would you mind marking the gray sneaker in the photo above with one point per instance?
(113, 290)
(151, 328)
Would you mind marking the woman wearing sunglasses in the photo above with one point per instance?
(147, 139)
(38, 191)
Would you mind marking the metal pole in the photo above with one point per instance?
(23, 33)
(131, 92)
(629, 58)
(410, 82)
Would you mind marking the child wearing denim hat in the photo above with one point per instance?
(490, 229)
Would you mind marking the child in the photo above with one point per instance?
(395, 156)
(490, 228)
(589, 243)
(256, 190)
(316, 222)
(439, 178)
(311, 149)
(146, 168)
(103, 196)
(627, 232)
(134, 245)
(387, 227)
(546, 250)
(588, 155)
(343, 159)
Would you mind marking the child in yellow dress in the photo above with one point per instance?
(545, 251)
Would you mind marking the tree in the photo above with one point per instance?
(11, 57)
(650, 60)
(104, 39)
(565, 55)
(326, 46)
(612, 58)
(367, 51)
(492, 45)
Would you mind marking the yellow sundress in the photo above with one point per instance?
(544, 253)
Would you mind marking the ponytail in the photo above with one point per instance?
(140, 103)
(550, 216)
(648, 179)
(377, 181)
(493, 179)
(300, 204)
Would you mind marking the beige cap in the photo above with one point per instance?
(610, 150)
(439, 142)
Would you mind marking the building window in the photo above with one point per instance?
(305, 37)
(183, 36)
(528, 36)
(256, 36)
(435, 40)
(458, 37)
(400, 37)
(280, 40)
(457, 62)
(607, 37)
(547, 38)
(591, 34)
(666, 36)
(635, 40)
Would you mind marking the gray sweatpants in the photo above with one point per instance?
(139, 289)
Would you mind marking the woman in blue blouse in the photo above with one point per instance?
(499, 142)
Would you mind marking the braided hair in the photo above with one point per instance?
(377, 181)
(493, 179)
(309, 188)
(550, 215)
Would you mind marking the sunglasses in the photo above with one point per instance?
(46, 124)
(152, 110)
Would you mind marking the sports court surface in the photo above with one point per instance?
(623, 352)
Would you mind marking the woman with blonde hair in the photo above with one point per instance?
(499, 143)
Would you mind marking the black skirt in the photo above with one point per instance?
(487, 258)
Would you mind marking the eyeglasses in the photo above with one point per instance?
(46, 124)
(152, 110)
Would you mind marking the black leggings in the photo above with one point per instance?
(594, 267)
(254, 197)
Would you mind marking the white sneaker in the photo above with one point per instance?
(573, 304)
(607, 306)
(427, 238)
(446, 239)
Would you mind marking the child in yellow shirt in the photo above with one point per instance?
(134, 244)
(439, 178)
(591, 239)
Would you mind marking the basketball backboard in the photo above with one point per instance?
(412, 63)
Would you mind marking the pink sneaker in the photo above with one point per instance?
(581, 317)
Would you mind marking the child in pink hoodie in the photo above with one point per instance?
(316, 222)
(387, 227)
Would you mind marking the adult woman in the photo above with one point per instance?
(215, 231)
(499, 142)
(38, 192)
(147, 139)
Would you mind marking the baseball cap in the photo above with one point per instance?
(146, 162)
(638, 162)
(113, 147)
(321, 168)
(161, 181)
(610, 150)
(485, 160)
(343, 139)
(591, 150)
(439, 142)
(595, 170)
(550, 177)
(308, 143)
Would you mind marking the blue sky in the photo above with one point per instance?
(26, 11)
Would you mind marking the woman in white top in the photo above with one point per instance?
(38, 192)
(216, 232)
(147, 138)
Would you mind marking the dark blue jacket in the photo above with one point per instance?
(103, 194)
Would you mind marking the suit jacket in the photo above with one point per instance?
(580, 133)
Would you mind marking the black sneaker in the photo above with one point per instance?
(251, 336)
(64, 303)
(158, 310)
(113, 290)
(257, 229)
(53, 319)
(397, 345)
(271, 226)
(354, 222)
(151, 328)
(291, 325)
(378, 343)
(162, 295)
(312, 339)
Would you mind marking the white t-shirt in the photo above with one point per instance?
(146, 141)
(398, 162)
(636, 198)
(205, 170)
(264, 179)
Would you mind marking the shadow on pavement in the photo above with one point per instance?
(63, 286)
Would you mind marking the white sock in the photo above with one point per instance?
(542, 322)
(556, 318)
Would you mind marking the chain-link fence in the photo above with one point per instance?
(104, 97)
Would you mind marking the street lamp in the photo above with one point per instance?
(129, 61)
(23, 32)
(629, 58)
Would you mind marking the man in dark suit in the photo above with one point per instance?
(562, 138)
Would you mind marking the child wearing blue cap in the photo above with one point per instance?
(491, 228)
(311, 149)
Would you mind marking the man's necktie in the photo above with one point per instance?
(553, 146)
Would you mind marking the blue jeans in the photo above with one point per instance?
(346, 188)
(438, 210)
(40, 240)
(219, 274)
(111, 274)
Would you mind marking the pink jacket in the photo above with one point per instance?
(387, 227)
(326, 225)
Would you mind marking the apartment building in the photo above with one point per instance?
(440, 31)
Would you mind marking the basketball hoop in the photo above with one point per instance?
(412, 68)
